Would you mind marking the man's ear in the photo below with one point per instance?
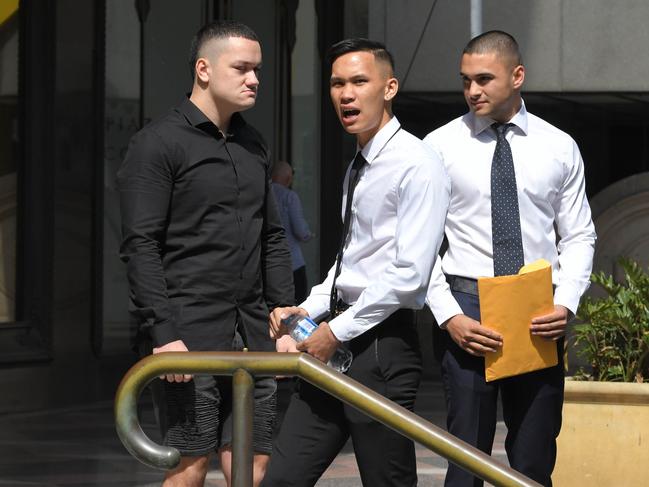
(391, 88)
(518, 76)
(202, 70)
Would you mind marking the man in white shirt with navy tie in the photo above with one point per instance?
(518, 195)
(395, 200)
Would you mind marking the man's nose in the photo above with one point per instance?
(347, 93)
(252, 79)
(474, 89)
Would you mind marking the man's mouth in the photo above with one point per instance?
(349, 114)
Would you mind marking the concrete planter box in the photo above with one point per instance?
(604, 438)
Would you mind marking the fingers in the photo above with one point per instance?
(551, 326)
(175, 346)
(479, 345)
(285, 344)
(276, 328)
(177, 377)
(549, 331)
(472, 337)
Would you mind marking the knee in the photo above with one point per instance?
(190, 472)
(259, 466)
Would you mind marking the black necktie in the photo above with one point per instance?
(505, 217)
(354, 175)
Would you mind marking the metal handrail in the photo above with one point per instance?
(239, 364)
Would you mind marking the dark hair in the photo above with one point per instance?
(496, 41)
(359, 44)
(221, 29)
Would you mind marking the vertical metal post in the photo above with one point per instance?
(476, 18)
(242, 414)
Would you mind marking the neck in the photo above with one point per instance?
(363, 138)
(206, 104)
(512, 110)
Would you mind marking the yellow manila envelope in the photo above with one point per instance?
(507, 305)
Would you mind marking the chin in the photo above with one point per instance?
(247, 105)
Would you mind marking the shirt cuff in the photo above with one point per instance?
(566, 295)
(163, 333)
(444, 308)
(315, 309)
(343, 326)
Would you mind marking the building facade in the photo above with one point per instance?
(79, 77)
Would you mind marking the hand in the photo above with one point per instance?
(472, 337)
(553, 325)
(321, 344)
(286, 344)
(278, 330)
(176, 346)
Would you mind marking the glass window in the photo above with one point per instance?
(9, 156)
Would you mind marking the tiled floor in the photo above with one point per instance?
(79, 447)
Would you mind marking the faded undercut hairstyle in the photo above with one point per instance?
(359, 44)
(221, 29)
(495, 41)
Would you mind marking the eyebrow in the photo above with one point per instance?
(486, 73)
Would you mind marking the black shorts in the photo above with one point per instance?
(199, 414)
(196, 416)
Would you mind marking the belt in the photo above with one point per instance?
(402, 313)
(340, 308)
(463, 284)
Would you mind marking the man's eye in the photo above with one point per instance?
(360, 81)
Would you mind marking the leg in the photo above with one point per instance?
(388, 360)
(263, 421)
(192, 427)
(190, 472)
(259, 464)
(300, 282)
(471, 402)
(532, 411)
(313, 432)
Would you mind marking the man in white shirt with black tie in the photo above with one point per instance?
(393, 226)
(518, 195)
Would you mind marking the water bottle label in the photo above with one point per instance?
(303, 329)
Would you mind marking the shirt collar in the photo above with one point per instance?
(480, 124)
(198, 119)
(376, 143)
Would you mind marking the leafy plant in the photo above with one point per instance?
(614, 334)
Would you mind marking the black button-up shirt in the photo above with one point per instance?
(202, 239)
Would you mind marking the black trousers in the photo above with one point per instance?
(300, 283)
(531, 408)
(316, 426)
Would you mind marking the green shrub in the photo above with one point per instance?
(614, 334)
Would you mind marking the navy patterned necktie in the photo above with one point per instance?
(354, 176)
(505, 217)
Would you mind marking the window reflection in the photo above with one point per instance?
(9, 113)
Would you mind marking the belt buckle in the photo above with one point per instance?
(340, 308)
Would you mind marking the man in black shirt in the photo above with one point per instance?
(204, 245)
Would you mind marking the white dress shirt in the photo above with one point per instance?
(551, 198)
(396, 229)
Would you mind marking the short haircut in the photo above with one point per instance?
(360, 44)
(221, 29)
(495, 41)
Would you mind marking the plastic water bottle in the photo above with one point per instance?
(301, 327)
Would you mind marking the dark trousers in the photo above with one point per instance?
(531, 402)
(316, 426)
(300, 283)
